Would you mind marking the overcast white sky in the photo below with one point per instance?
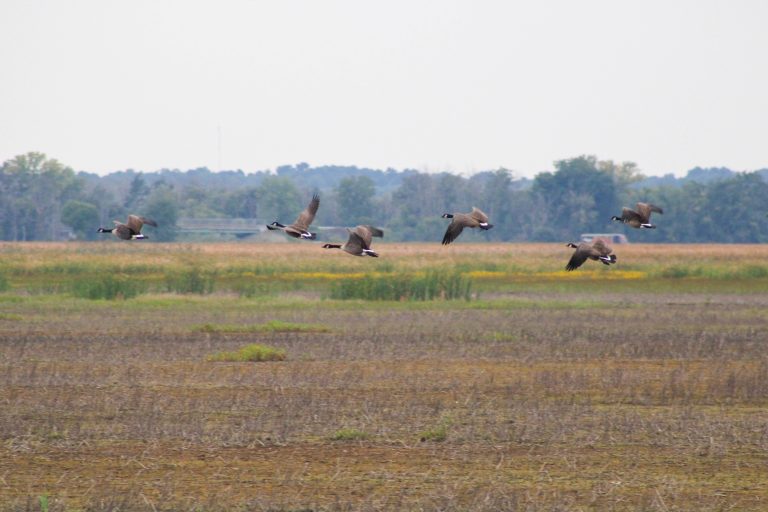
(462, 86)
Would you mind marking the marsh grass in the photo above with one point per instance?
(191, 280)
(108, 286)
(250, 353)
(408, 272)
(726, 272)
(432, 285)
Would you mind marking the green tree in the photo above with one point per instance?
(355, 200)
(82, 217)
(279, 199)
(137, 194)
(162, 207)
(577, 197)
(35, 187)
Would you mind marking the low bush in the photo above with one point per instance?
(349, 434)
(250, 353)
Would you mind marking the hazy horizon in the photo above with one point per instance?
(453, 86)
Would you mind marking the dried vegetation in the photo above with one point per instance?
(592, 394)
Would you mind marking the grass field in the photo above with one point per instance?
(640, 386)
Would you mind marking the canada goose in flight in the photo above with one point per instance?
(475, 219)
(640, 217)
(131, 229)
(300, 228)
(359, 242)
(595, 250)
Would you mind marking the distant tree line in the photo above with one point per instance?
(43, 199)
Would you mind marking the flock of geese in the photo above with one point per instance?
(359, 241)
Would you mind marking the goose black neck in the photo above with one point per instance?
(447, 215)
(332, 246)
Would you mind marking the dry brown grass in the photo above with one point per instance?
(549, 399)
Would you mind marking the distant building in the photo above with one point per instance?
(609, 238)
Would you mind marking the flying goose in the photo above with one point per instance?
(640, 217)
(300, 228)
(359, 242)
(595, 250)
(131, 229)
(475, 219)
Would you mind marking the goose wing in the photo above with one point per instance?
(365, 234)
(305, 218)
(579, 256)
(374, 231)
(601, 247)
(645, 209)
(355, 243)
(135, 223)
(454, 229)
(628, 214)
(478, 215)
(648, 207)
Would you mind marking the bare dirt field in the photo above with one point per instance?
(643, 386)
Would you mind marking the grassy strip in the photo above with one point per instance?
(271, 326)
(248, 354)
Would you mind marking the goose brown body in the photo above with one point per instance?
(640, 217)
(359, 241)
(300, 227)
(596, 250)
(131, 229)
(474, 219)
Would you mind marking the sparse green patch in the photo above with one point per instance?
(249, 353)
(437, 434)
(501, 337)
(271, 326)
(349, 434)
(11, 317)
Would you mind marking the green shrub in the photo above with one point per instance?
(4, 284)
(250, 353)
(107, 286)
(349, 434)
(433, 285)
(193, 280)
(437, 434)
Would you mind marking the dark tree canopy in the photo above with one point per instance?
(43, 199)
